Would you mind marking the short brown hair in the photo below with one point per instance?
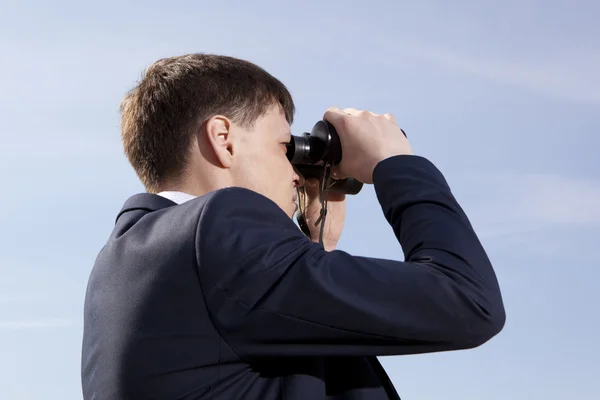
(160, 116)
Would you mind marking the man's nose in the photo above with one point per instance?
(298, 178)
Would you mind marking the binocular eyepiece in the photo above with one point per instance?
(312, 152)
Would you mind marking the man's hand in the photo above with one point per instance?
(336, 214)
(367, 138)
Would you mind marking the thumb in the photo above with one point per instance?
(336, 173)
(311, 187)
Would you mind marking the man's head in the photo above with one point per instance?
(201, 122)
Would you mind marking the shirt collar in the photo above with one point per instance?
(177, 197)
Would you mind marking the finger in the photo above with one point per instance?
(360, 113)
(334, 197)
(334, 115)
(311, 187)
(390, 117)
(351, 111)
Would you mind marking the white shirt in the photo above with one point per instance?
(177, 197)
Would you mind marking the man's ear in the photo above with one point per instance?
(218, 132)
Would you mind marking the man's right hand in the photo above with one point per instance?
(367, 138)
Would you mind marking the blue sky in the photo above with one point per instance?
(503, 97)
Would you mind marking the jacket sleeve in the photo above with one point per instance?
(272, 292)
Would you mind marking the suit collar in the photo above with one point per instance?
(145, 201)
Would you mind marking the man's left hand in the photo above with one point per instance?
(336, 214)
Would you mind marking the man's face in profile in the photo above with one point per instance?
(262, 164)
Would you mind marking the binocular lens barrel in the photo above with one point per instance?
(306, 150)
(310, 153)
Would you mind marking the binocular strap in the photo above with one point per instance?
(324, 184)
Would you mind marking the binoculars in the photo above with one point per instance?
(312, 152)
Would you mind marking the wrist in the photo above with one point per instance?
(328, 245)
(329, 248)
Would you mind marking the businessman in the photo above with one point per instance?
(207, 289)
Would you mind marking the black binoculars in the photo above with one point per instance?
(312, 152)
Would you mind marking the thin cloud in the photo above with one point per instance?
(27, 324)
(12, 298)
(561, 200)
(517, 204)
(574, 80)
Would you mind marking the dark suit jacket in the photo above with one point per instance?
(223, 297)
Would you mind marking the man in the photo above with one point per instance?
(206, 289)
